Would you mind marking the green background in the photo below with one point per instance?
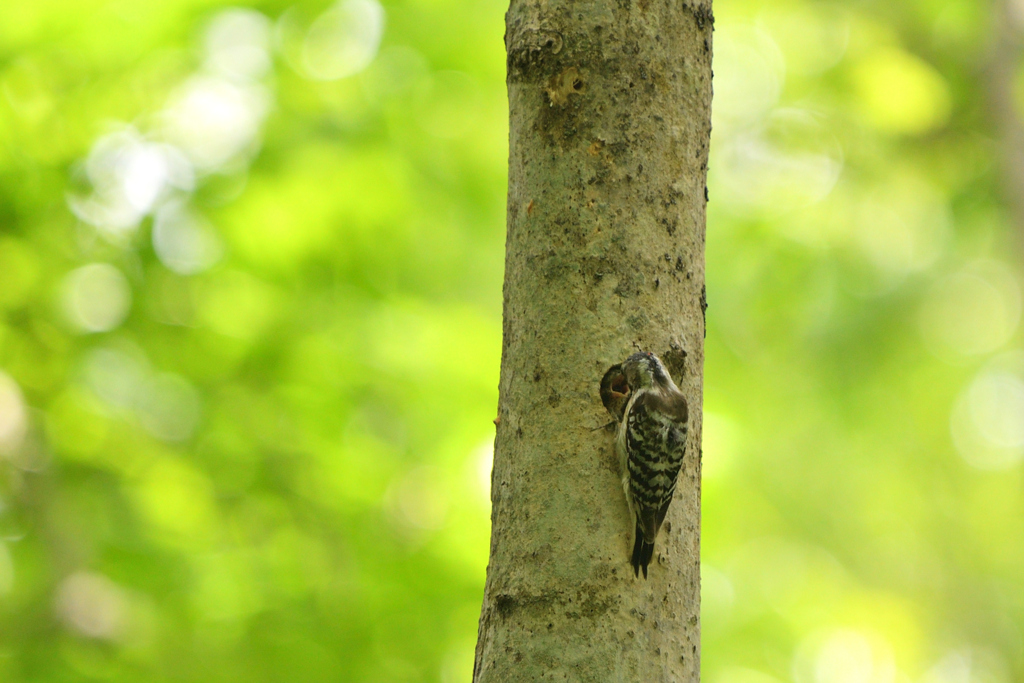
(250, 328)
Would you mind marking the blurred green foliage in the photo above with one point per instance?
(250, 272)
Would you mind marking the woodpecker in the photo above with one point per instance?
(650, 440)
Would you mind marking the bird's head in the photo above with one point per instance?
(644, 370)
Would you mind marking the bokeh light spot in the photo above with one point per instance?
(902, 227)
(177, 502)
(971, 312)
(901, 93)
(844, 656)
(92, 605)
(13, 415)
(216, 120)
(343, 40)
(169, 408)
(749, 73)
(238, 44)
(812, 38)
(969, 665)
(96, 297)
(116, 376)
(128, 176)
(184, 241)
(787, 161)
(987, 422)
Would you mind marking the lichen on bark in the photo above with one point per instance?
(608, 146)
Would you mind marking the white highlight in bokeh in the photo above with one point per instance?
(787, 160)
(398, 70)
(92, 605)
(96, 297)
(844, 656)
(166, 405)
(848, 657)
(184, 241)
(169, 407)
(901, 227)
(749, 73)
(969, 665)
(215, 120)
(971, 312)
(987, 422)
(116, 376)
(997, 406)
(238, 44)
(343, 40)
(13, 415)
(813, 38)
(129, 175)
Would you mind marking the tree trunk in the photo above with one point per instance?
(609, 128)
(1003, 70)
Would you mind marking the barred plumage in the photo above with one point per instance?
(651, 442)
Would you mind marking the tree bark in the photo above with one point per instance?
(610, 122)
(1003, 69)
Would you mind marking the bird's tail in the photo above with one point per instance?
(643, 550)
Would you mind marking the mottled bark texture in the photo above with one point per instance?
(610, 121)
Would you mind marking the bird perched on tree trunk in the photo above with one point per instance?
(650, 441)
